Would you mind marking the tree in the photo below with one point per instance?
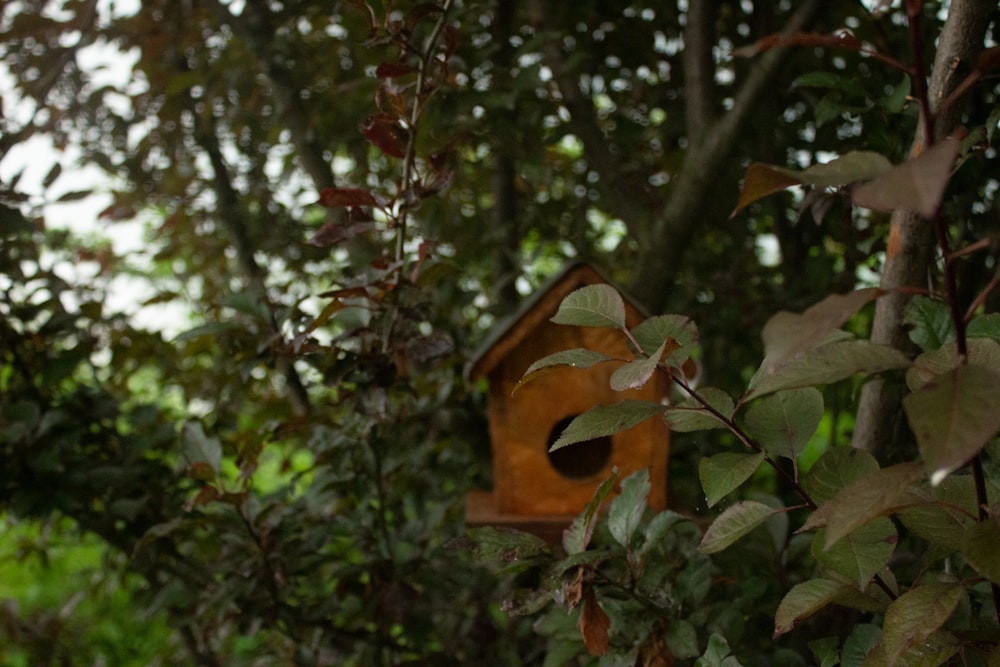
(344, 198)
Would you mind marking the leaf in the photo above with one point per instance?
(592, 306)
(392, 70)
(74, 195)
(929, 366)
(826, 364)
(916, 185)
(880, 493)
(979, 546)
(762, 180)
(626, 510)
(500, 545)
(735, 522)
(690, 415)
(341, 197)
(987, 326)
(786, 335)
(387, 134)
(954, 416)
(783, 422)
(635, 374)
(52, 175)
(912, 618)
(929, 321)
(654, 331)
(723, 473)
(860, 554)
(682, 639)
(209, 329)
(838, 468)
(717, 654)
(577, 536)
(594, 625)
(199, 448)
(802, 601)
(765, 179)
(576, 358)
(605, 420)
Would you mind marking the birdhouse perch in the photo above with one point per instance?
(535, 489)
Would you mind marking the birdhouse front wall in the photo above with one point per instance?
(524, 425)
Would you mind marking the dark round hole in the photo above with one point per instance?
(583, 459)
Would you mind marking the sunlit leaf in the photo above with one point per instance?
(725, 472)
(762, 180)
(605, 420)
(916, 185)
(691, 415)
(954, 416)
(783, 422)
(592, 306)
(916, 615)
(878, 494)
(802, 601)
(735, 522)
(626, 509)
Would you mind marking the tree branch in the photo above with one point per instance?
(912, 238)
(692, 187)
(699, 68)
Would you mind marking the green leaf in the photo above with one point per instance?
(916, 185)
(985, 326)
(502, 546)
(980, 548)
(783, 422)
(577, 358)
(804, 600)
(944, 512)
(787, 335)
(723, 473)
(848, 168)
(592, 306)
(654, 331)
(860, 554)
(605, 420)
(825, 651)
(880, 493)
(211, 329)
(690, 415)
(626, 509)
(735, 522)
(826, 364)
(837, 468)
(199, 449)
(717, 654)
(930, 322)
(577, 536)
(682, 639)
(858, 644)
(635, 374)
(954, 416)
(913, 617)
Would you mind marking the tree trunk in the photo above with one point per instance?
(879, 424)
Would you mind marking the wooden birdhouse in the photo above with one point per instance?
(535, 489)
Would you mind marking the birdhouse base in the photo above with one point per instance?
(481, 510)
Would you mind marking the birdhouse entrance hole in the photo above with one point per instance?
(581, 460)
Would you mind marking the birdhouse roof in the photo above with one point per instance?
(536, 310)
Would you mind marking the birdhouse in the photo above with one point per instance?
(535, 489)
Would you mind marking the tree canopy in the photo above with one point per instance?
(338, 201)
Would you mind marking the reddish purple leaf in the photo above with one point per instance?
(337, 197)
(333, 233)
(386, 133)
(392, 70)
